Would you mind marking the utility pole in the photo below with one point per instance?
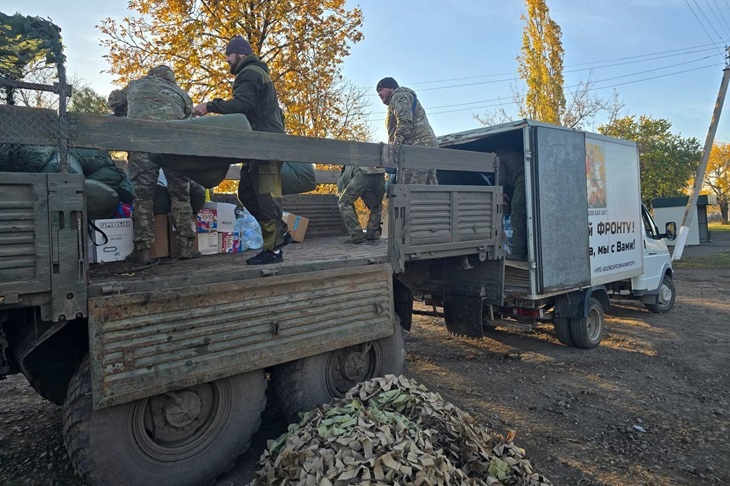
(692, 206)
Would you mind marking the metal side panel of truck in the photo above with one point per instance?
(583, 205)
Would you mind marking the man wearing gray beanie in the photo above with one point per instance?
(259, 190)
(407, 124)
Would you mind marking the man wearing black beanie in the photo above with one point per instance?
(407, 124)
(259, 190)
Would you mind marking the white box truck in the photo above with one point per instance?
(589, 239)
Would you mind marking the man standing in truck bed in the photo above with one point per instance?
(408, 125)
(157, 96)
(259, 190)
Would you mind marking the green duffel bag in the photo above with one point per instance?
(125, 189)
(6, 157)
(32, 158)
(297, 178)
(92, 160)
(206, 171)
(101, 200)
(54, 166)
(118, 180)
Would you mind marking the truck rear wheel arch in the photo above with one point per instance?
(48, 355)
(579, 317)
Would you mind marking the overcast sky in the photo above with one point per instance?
(664, 57)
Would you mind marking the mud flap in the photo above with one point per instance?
(463, 315)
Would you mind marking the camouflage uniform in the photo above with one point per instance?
(512, 178)
(407, 124)
(259, 190)
(369, 184)
(157, 97)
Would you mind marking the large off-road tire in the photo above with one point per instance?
(665, 299)
(587, 332)
(303, 384)
(563, 330)
(189, 437)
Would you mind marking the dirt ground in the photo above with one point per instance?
(651, 405)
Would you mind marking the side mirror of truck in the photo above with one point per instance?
(670, 231)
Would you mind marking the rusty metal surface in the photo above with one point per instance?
(146, 343)
(441, 221)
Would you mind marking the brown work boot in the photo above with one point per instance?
(372, 236)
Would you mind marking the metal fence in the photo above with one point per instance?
(52, 156)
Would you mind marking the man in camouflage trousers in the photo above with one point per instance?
(259, 189)
(366, 183)
(156, 96)
(407, 124)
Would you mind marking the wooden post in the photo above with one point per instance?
(692, 206)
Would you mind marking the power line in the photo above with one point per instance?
(708, 19)
(430, 113)
(725, 27)
(702, 25)
(513, 78)
(689, 50)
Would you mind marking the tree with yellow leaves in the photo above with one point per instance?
(303, 43)
(541, 65)
(717, 177)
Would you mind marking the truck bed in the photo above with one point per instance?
(312, 255)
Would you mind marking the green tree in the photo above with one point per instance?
(304, 44)
(717, 177)
(668, 161)
(86, 100)
(541, 67)
(541, 64)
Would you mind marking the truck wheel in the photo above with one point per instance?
(563, 330)
(303, 384)
(187, 437)
(587, 332)
(665, 299)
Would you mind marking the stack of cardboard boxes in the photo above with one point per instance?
(214, 229)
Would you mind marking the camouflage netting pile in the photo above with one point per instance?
(393, 431)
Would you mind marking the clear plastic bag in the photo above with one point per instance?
(249, 229)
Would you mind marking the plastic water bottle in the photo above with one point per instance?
(249, 229)
(507, 226)
(252, 239)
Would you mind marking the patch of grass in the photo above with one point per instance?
(721, 260)
(719, 227)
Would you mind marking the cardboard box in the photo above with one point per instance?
(229, 242)
(297, 225)
(225, 217)
(118, 243)
(207, 243)
(206, 221)
(162, 234)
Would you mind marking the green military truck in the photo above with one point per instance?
(163, 372)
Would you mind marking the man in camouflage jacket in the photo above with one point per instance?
(259, 190)
(407, 124)
(157, 96)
